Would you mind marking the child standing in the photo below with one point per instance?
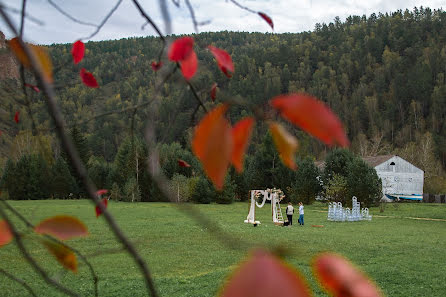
(289, 213)
(301, 214)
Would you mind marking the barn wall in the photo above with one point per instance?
(401, 178)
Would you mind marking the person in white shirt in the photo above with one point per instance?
(289, 213)
(301, 214)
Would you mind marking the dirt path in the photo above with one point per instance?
(394, 217)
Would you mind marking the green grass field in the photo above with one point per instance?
(406, 257)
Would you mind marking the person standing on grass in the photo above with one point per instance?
(289, 213)
(301, 214)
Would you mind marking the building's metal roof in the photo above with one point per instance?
(371, 161)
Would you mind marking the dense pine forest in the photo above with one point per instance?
(383, 75)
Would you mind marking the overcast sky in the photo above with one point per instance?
(287, 15)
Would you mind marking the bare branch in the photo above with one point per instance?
(192, 15)
(30, 259)
(104, 20)
(166, 16)
(32, 19)
(70, 16)
(22, 18)
(76, 162)
(176, 3)
(18, 280)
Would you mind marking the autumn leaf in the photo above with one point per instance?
(104, 202)
(189, 66)
(286, 144)
(267, 19)
(224, 60)
(180, 49)
(156, 65)
(78, 51)
(17, 117)
(63, 254)
(241, 134)
(212, 144)
(42, 57)
(88, 79)
(101, 192)
(312, 116)
(264, 275)
(62, 227)
(214, 91)
(33, 87)
(5, 233)
(340, 278)
(183, 163)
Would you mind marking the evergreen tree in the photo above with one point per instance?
(307, 185)
(63, 183)
(364, 183)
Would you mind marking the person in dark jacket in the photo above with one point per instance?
(289, 213)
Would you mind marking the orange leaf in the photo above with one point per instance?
(264, 275)
(224, 60)
(40, 53)
(313, 116)
(156, 65)
(180, 49)
(212, 144)
(214, 91)
(62, 227)
(78, 51)
(104, 202)
(267, 19)
(101, 192)
(189, 65)
(88, 79)
(241, 134)
(33, 87)
(285, 143)
(63, 254)
(340, 278)
(5, 233)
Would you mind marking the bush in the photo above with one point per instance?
(227, 195)
(203, 191)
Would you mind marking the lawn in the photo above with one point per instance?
(405, 256)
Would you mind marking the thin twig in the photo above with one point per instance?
(83, 258)
(243, 7)
(192, 15)
(18, 280)
(104, 20)
(31, 260)
(22, 18)
(76, 162)
(70, 16)
(32, 19)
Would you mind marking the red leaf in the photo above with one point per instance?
(180, 49)
(62, 227)
(264, 275)
(312, 116)
(156, 65)
(104, 202)
(340, 278)
(5, 233)
(189, 65)
(35, 88)
(241, 134)
(286, 144)
(183, 163)
(214, 91)
(78, 51)
(88, 79)
(63, 254)
(267, 19)
(224, 60)
(17, 117)
(212, 144)
(101, 192)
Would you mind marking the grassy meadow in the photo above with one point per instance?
(405, 256)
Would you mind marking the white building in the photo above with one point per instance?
(400, 179)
